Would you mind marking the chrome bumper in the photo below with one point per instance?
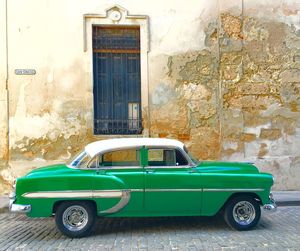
(17, 208)
(270, 207)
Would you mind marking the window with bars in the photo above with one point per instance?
(117, 80)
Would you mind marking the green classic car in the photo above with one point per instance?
(142, 177)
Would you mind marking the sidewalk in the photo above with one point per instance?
(287, 198)
(4, 201)
(282, 198)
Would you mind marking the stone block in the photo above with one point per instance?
(296, 58)
(247, 137)
(231, 26)
(230, 72)
(234, 58)
(163, 135)
(290, 75)
(253, 88)
(270, 134)
(205, 143)
(183, 136)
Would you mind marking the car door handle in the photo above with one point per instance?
(150, 171)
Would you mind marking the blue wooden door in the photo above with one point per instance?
(117, 81)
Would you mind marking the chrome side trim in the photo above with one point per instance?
(75, 194)
(108, 194)
(136, 190)
(174, 190)
(168, 167)
(119, 193)
(123, 194)
(121, 204)
(233, 189)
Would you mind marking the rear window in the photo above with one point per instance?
(166, 157)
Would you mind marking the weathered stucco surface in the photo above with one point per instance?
(224, 77)
(237, 98)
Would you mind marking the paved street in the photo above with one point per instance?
(277, 231)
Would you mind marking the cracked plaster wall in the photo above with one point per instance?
(237, 99)
(224, 77)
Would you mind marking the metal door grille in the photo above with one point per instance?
(117, 80)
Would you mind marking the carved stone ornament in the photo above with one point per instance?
(115, 15)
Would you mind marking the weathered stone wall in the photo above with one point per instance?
(224, 77)
(260, 88)
(238, 98)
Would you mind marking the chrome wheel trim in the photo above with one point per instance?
(243, 213)
(75, 218)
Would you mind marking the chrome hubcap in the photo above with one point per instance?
(75, 218)
(244, 213)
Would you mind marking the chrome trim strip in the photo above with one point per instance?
(75, 194)
(123, 194)
(233, 189)
(107, 194)
(108, 168)
(121, 204)
(167, 167)
(119, 193)
(136, 190)
(174, 190)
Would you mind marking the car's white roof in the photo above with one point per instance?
(94, 148)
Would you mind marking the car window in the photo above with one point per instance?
(128, 157)
(93, 163)
(80, 160)
(166, 157)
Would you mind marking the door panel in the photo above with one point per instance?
(171, 190)
(130, 181)
(122, 180)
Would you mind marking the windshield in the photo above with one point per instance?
(196, 162)
(80, 160)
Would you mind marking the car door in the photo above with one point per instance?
(172, 185)
(119, 182)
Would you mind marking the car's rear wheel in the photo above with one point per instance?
(75, 218)
(242, 213)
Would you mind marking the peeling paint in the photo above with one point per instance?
(259, 117)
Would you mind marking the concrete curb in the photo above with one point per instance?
(287, 198)
(287, 203)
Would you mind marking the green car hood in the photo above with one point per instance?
(227, 167)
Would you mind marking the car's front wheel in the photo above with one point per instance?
(75, 218)
(242, 213)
